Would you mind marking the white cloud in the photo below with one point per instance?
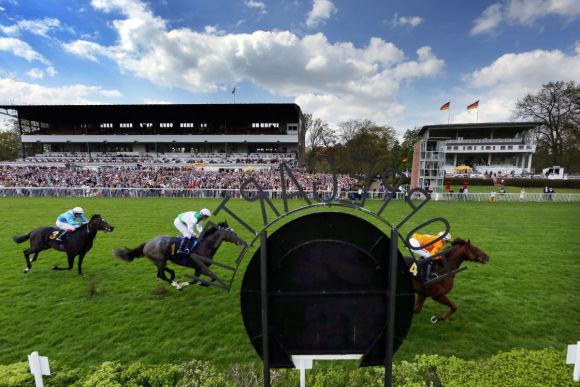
(259, 5)
(110, 93)
(363, 80)
(35, 73)
(149, 101)
(489, 20)
(321, 11)
(528, 69)
(31, 93)
(38, 26)
(411, 21)
(51, 71)
(524, 12)
(509, 78)
(21, 49)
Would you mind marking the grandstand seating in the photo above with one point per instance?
(259, 160)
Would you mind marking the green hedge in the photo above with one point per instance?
(458, 182)
(542, 183)
(518, 367)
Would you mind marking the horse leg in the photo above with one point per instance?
(178, 285)
(80, 264)
(419, 302)
(27, 253)
(197, 273)
(444, 300)
(71, 260)
(161, 269)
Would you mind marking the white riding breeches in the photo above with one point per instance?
(65, 226)
(422, 252)
(183, 229)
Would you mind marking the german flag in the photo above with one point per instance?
(445, 106)
(474, 105)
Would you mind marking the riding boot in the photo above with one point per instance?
(431, 272)
(183, 247)
(60, 235)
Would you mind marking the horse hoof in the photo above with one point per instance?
(26, 270)
(434, 320)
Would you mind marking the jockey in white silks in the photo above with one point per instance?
(185, 223)
(70, 221)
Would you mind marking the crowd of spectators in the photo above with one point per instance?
(140, 176)
(83, 158)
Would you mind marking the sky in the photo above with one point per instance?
(395, 62)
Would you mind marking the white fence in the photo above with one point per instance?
(272, 194)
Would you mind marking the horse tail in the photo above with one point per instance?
(129, 254)
(21, 238)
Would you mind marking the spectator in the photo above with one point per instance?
(502, 192)
(492, 196)
(465, 187)
(523, 194)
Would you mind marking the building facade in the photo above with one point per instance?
(504, 148)
(184, 128)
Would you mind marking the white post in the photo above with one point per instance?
(38, 367)
(573, 357)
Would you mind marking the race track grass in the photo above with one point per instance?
(526, 297)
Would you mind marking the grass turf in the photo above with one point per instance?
(526, 297)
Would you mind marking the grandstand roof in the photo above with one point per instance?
(482, 125)
(210, 112)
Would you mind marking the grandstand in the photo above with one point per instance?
(472, 150)
(212, 136)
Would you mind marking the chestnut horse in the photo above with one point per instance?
(438, 289)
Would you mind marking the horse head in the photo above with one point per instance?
(100, 224)
(228, 234)
(470, 252)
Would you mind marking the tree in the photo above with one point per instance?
(556, 107)
(408, 145)
(9, 143)
(319, 134)
(364, 138)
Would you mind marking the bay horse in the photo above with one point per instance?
(161, 249)
(76, 243)
(438, 289)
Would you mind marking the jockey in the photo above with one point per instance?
(185, 222)
(67, 221)
(417, 240)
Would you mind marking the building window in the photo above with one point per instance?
(166, 125)
(487, 147)
(510, 147)
(203, 125)
(455, 147)
(185, 125)
(502, 147)
(521, 147)
(126, 125)
(146, 124)
(106, 125)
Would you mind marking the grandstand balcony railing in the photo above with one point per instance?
(271, 194)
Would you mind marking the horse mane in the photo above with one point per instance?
(458, 241)
(213, 228)
(95, 216)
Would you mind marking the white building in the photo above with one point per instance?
(504, 148)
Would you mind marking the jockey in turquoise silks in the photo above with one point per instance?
(70, 221)
(185, 222)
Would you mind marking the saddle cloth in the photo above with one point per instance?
(174, 247)
(418, 268)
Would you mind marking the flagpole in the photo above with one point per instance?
(449, 113)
